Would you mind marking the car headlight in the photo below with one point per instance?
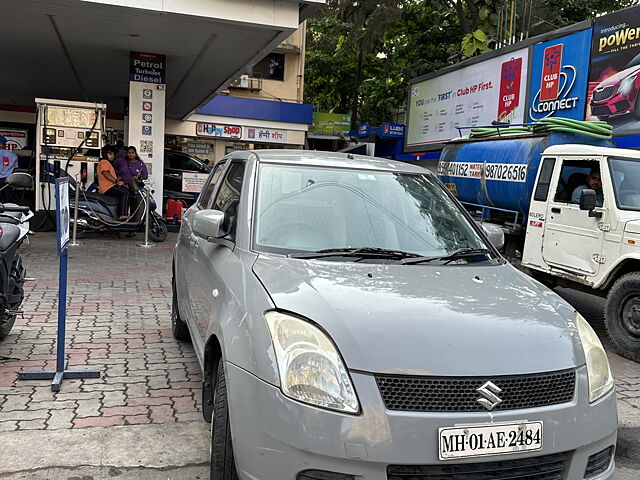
(600, 378)
(626, 85)
(311, 369)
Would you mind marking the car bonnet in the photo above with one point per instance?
(427, 319)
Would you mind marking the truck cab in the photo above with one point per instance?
(595, 244)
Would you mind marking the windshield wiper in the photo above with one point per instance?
(460, 253)
(363, 252)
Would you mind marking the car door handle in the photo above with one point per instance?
(175, 175)
(555, 210)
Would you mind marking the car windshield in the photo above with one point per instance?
(308, 209)
(625, 173)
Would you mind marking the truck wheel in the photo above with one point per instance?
(223, 465)
(179, 327)
(622, 315)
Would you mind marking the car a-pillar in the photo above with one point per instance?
(212, 355)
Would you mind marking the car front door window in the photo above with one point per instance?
(228, 197)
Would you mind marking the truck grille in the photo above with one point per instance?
(603, 93)
(459, 394)
(548, 467)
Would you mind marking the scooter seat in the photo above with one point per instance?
(10, 234)
(106, 199)
(10, 217)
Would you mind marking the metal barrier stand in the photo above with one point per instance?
(75, 215)
(146, 243)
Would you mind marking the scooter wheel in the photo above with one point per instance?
(157, 230)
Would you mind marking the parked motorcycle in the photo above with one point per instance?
(98, 213)
(14, 228)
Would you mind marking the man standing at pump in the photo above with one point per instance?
(8, 163)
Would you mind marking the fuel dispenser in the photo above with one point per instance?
(69, 138)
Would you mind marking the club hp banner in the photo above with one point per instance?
(559, 74)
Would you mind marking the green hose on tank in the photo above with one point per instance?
(601, 130)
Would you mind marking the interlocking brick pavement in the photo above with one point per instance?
(118, 321)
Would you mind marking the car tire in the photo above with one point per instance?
(223, 465)
(622, 315)
(179, 327)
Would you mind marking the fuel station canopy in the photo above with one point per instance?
(80, 49)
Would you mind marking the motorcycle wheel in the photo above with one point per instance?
(15, 284)
(157, 230)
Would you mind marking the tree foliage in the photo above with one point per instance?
(361, 54)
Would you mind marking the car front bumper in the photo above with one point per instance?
(276, 438)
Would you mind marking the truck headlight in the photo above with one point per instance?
(600, 378)
(311, 369)
(626, 85)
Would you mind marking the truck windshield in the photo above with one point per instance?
(302, 209)
(625, 173)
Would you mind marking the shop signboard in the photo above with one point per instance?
(218, 130)
(17, 138)
(193, 182)
(330, 124)
(264, 135)
(559, 74)
(392, 130)
(147, 67)
(363, 130)
(478, 94)
(614, 78)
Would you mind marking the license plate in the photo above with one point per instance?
(465, 442)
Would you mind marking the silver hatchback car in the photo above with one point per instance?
(353, 322)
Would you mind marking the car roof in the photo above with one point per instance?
(334, 160)
(571, 149)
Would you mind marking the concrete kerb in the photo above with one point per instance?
(151, 446)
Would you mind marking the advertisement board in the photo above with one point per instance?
(330, 124)
(17, 138)
(478, 94)
(559, 75)
(193, 182)
(614, 79)
(266, 135)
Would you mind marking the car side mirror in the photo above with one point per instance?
(588, 199)
(495, 234)
(20, 180)
(209, 224)
(588, 202)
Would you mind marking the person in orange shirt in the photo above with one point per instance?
(109, 183)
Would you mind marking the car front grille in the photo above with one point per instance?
(622, 106)
(598, 463)
(459, 394)
(600, 110)
(604, 93)
(548, 467)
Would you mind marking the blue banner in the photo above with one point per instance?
(392, 130)
(559, 75)
(363, 130)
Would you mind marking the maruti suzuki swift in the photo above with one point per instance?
(353, 322)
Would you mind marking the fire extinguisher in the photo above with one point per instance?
(170, 210)
(180, 207)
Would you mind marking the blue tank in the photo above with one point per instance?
(501, 172)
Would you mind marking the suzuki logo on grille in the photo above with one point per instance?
(490, 399)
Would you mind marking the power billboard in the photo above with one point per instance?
(559, 75)
(614, 80)
(478, 94)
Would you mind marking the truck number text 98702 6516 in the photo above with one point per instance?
(492, 171)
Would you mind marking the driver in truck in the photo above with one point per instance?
(595, 183)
